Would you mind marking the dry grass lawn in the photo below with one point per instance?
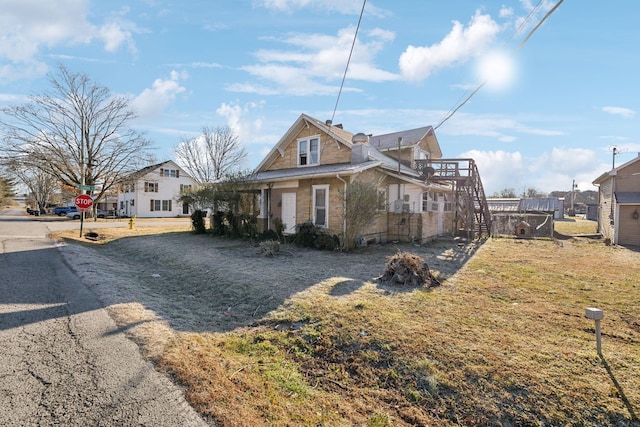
(310, 338)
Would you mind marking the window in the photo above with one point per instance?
(431, 199)
(173, 173)
(422, 155)
(321, 205)
(185, 188)
(150, 187)
(160, 205)
(447, 203)
(309, 151)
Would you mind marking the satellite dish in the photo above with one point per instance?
(428, 172)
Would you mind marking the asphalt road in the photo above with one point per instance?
(63, 360)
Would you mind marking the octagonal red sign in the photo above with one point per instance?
(83, 201)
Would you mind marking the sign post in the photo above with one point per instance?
(83, 202)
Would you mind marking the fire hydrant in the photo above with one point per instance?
(132, 222)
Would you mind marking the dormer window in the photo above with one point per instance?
(422, 155)
(309, 151)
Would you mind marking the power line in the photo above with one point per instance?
(355, 36)
(522, 43)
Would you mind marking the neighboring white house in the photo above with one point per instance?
(154, 192)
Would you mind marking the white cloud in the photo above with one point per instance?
(547, 172)
(571, 161)
(315, 61)
(152, 101)
(418, 63)
(27, 27)
(114, 34)
(346, 7)
(620, 111)
(500, 170)
(506, 12)
(495, 126)
(251, 130)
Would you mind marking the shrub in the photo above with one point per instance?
(197, 222)
(218, 225)
(310, 236)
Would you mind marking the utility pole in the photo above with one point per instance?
(574, 186)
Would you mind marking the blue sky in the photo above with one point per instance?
(550, 113)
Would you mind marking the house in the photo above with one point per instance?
(619, 203)
(154, 192)
(306, 176)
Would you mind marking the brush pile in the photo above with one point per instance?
(407, 269)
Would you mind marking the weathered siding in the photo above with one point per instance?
(607, 210)
(330, 151)
(628, 227)
(628, 178)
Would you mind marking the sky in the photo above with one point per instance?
(559, 92)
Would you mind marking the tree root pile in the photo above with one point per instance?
(408, 269)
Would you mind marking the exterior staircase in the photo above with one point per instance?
(472, 216)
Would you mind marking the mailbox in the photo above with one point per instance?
(594, 313)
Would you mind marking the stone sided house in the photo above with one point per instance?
(305, 178)
(619, 203)
(154, 192)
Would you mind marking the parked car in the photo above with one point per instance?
(74, 214)
(89, 214)
(63, 210)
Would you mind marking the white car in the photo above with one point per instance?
(76, 215)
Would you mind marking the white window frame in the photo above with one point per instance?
(431, 199)
(306, 143)
(315, 188)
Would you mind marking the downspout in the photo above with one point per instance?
(399, 164)
(344, 209)
(268, 204)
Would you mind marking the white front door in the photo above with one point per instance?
(289, 212)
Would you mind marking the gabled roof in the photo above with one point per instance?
(340, 135)
(614, 172)
(408, 138)
(148, 169)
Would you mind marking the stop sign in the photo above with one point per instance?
(83, 201)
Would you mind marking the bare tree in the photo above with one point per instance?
(362, 202)
(7, 188)
(41, 185)
(212, 155)
(77, 133)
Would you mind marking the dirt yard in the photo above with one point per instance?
(154, 285)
